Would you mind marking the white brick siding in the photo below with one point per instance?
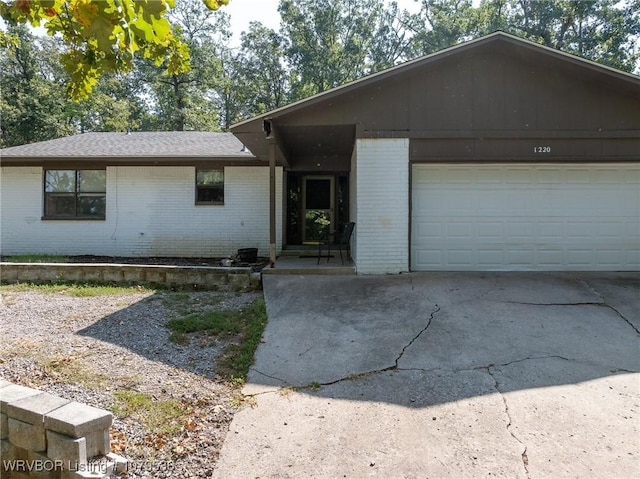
(382, 184)
(353, 202)
(150, 212)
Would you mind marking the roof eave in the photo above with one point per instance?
(143, 160)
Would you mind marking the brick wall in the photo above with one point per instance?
(382, 183)
(150, 212)
(353, 203)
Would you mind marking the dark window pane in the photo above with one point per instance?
(92, 181)
(210, 178)
(91, 205)
(294, 231)
(60, 181)
(60, 205)
(210, 195)
(75, 193)
(343, 199)
(318, 194)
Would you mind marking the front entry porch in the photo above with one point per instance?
(307, 264)
(317, 206)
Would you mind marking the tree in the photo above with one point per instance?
(262, 77)
(34, 105)
(329, 41)
(186, 100)
(441, 24)
(115, 104)
(605, 31)
(103, 36)
(393, 38)
(33, 102)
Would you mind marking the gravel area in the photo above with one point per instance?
(88, 349)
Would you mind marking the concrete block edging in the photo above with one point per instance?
(214, 278)
(48, 437)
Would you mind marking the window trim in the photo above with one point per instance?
(76, 194)
(197, 187)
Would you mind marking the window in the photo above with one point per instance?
(75, 194)
(209, 187)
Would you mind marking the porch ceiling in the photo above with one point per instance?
(299, 142)
(318, 141)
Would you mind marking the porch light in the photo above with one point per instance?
(266, 126)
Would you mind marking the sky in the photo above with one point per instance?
(266, 11)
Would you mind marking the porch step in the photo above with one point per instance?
(309, 266)
(337, 270)
(305, 251)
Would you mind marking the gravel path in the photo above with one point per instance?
(88, 349)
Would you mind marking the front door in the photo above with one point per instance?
(318, 211)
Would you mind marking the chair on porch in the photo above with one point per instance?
(342, 241)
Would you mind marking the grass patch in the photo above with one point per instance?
(36, 258)
(67, 369)
(80, 290)
(163, 417)
(243, 327)
(185, 304)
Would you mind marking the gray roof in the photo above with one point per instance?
(161, 144)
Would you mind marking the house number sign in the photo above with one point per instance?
(542, 149)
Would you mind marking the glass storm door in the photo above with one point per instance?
(318, 208)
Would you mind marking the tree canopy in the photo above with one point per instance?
(103, 36)
(170, 65)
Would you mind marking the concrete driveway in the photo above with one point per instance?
(434, 375)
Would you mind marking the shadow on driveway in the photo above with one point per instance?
(323, 330)
(444, 375)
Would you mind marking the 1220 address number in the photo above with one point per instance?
(542, 149)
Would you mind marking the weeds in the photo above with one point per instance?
(69, 370)
(163, 417)
(36, 258)
(81, 290)
(242, 327)
(185, 304)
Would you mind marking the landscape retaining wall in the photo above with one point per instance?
(47, 437)
(196, 277)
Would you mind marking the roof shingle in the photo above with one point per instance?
(161, 144)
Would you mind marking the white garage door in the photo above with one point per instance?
(525, 217)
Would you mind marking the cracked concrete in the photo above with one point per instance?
(444, 375)
(525, 457)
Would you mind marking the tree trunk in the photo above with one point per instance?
(179, 125)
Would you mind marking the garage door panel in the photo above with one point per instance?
(459, 231)
(459, 256)
(633, 256)
(609, 258)
(488, 256)
(488, 176)
(431, 230)
(579, 230)
(550, 231)
(550, 257)
(520, 231)
(490, 230)
(612, 229)
(526, 217)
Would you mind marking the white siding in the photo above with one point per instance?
(150, 212)
(353, 202)
(382, 184)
